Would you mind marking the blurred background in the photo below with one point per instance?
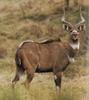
(39, 20)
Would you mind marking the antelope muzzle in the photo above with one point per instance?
(75, 36)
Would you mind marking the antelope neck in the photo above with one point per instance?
(75, 46)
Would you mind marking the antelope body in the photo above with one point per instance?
(49, 56)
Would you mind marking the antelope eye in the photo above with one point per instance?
(81, 28)
(67, 28)
(70, 29)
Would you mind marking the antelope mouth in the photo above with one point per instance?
(75, 37)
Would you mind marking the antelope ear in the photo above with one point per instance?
(82, 27)
(67, 27)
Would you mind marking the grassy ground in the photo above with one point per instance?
(37, 20)
(43, 87)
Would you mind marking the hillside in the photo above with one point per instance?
(39, 20)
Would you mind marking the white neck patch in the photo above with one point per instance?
(75, 46)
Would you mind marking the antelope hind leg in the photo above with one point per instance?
(19, 73)
(30, 75)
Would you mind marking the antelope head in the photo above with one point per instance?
(74, 30)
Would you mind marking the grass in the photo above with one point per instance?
(77, 69)
(36, 20)
(43, 89)
(72, 93)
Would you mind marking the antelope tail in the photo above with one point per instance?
(19, 63)
(17, 60)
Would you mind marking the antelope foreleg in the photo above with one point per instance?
(58, 79)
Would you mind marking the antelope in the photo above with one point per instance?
(49, 55)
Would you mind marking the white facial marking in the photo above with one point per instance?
(67, 28)
(25, 42)
(80, 28)
(74, 31)
(75, 45)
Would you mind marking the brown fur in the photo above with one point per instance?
(48, 56)
(43, 57)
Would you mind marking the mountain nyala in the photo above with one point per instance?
(50, 55)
